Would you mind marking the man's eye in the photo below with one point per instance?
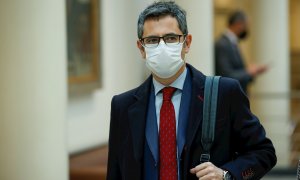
(171, 38)
(151, 40)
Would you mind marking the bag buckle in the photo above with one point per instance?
(204, 158)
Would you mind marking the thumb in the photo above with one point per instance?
(193, 171)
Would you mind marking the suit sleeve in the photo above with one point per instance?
(255, 152)
(225, 67)
(113, 168)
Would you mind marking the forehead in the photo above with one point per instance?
(161, 26)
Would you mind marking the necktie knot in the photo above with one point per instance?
(168, 93)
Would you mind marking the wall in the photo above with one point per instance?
(122, 69)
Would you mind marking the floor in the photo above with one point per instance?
(282, 174)
(279, 178)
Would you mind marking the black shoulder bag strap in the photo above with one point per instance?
(209, 115)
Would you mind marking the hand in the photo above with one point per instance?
(255, 70)
(207, 171)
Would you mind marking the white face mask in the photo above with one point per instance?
(164, 60)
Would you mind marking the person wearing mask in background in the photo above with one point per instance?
(155, 129)
(228, 58)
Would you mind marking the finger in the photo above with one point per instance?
(211, 175)
(200, 167)
(197, 168)
(205, 171)
(214, 173)
(208, 177)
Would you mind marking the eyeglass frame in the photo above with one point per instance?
(162, 37)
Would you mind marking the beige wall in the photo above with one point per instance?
(122, 69)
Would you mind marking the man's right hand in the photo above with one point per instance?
(255, 70)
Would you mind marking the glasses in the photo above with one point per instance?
(170, 39)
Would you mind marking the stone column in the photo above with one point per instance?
(270, 93)
(33, 90)
(200, 24)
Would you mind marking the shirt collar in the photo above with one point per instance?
(231, 36)
(178, 83)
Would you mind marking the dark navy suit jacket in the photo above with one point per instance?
(240, 145)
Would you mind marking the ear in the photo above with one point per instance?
(188, 42)
(141, 48)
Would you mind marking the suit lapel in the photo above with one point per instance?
(151, 127)
(184, 112)
(195, 116)
(137, 113)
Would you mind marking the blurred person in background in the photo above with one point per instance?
(228, 58)
(155, 129)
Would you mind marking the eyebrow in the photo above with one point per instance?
(168, 34)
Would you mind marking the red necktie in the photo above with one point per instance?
(167, 137)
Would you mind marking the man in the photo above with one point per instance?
(155, 130)
(228, 59)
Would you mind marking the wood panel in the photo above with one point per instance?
(295, 107)
(89, 165)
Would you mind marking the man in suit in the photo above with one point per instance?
(228, 59)
(155, 129)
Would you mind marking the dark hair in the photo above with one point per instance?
(161, 9)
(237, 16)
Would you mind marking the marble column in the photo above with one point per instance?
(33, 90)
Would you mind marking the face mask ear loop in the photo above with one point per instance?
(142, 43)
(184, 41)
